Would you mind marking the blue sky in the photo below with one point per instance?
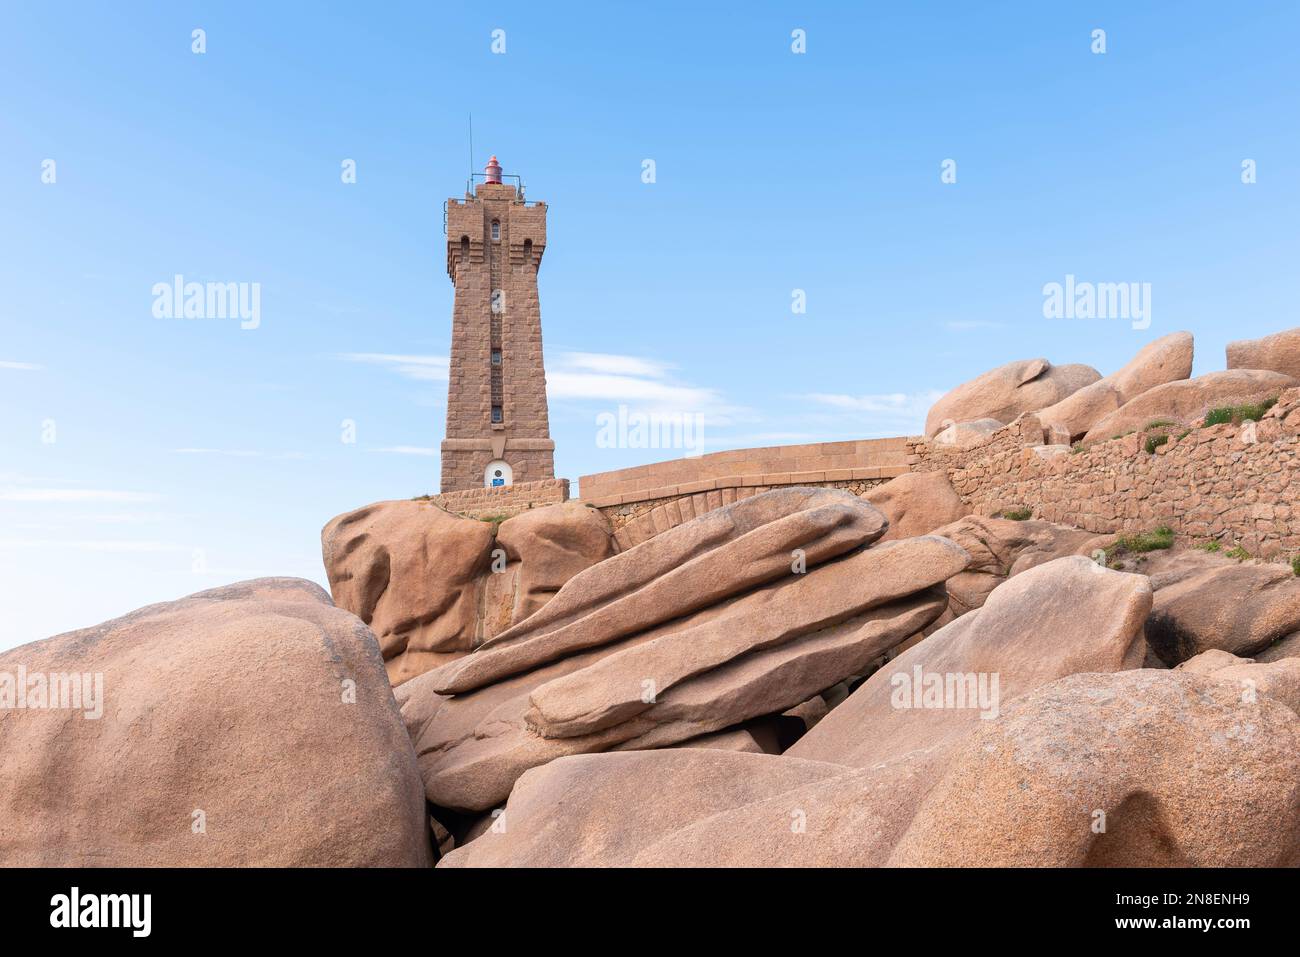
(142, 459)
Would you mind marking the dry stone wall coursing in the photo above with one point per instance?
(505, 501)
(1236, 484)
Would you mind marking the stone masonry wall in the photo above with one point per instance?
(505, 501)
(643, 501)
(635, 522)
(813, 464)
(1236, 484)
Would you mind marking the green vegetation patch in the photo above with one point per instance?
(1155, 441)
(1237, 414)
(1162, 537)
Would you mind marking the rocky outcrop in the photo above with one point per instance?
(250, 725)
(1241, 609)
(1007, 391)
(1279, 352)
(1279, 679)
(968, 433)
(1086, 770)
(433, 586)
(1001, 547)
(1285, 414)
(1092, 771)
(733, 739)
(616, 805)
(748, 611)
(681, 571)
(1288, 647)
(1065, 616)
(544, 548)
(1186, 402)
(916, 503)
(1167, 359)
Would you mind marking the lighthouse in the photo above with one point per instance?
(498, 431)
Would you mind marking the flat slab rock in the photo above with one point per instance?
(692, 566)
(1024, 789)
(739, 631)
(1056, 619)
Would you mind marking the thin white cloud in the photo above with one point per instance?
(585, 377)
(616, 365)
(59, 521)
(23, 366)
(961, 325)
(73, 495)
(130, 518)
(90, 545)
(644, 384)
(407, 450)
(882, 414)
(235, 453)
(237, 573)
(240, 453)
(421, 368)
(883, 402)
(622, 388)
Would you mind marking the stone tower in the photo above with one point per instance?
(497, 427)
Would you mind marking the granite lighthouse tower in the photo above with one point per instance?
(497, 426)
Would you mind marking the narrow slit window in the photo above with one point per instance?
(496, 231)
(496, 414)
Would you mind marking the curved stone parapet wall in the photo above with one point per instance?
(643, 501)
(635, 522)
(775, 465)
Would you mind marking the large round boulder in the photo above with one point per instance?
(1240, 609)
(434, 586)
(1186, 401)
(1062, 617)
(1279, 352)
(1003, 547)
(916, 503)
(543, 548)
(1007, 391)
(1167, 359)
(250, 725)
(1138, 769)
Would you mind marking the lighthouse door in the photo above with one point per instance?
(497, 474)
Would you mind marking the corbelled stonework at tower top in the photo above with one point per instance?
(497, 427)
